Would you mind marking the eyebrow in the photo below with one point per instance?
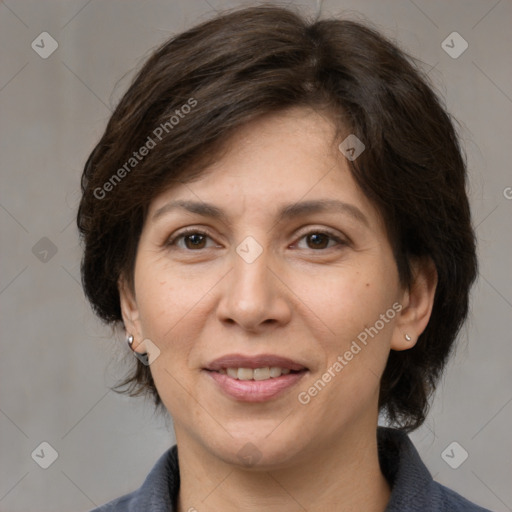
(285, 213)
(197, 207)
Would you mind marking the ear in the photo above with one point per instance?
(417, 303)
(130, 313)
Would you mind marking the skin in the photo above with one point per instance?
(305, 297)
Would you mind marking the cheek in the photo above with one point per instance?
(169, 309)
(349, 299)
(172, 305)
(356, 353)
(159, 290)
(159, 304)
(351, 303)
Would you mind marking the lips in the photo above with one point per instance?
(254, 379)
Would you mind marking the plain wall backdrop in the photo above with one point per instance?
(57, 361)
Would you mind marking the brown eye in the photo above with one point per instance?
(195, 241)
(317, 240)
(191, 241)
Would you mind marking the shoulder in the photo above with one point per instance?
(451, 501)
(158, 492)
(123, 504)
(412, 486)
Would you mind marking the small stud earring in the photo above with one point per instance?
(129, 340)
(407, 337)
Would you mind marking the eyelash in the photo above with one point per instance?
(193, 231)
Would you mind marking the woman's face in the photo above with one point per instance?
(274, 260)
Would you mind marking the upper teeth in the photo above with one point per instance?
(256, 374)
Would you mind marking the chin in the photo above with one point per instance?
(257, 452)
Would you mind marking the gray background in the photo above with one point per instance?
(57, 361)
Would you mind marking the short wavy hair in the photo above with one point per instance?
(259, 60)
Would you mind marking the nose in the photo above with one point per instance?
(253, 296)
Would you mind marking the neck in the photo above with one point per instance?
(344, 474)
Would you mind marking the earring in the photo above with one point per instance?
(143, 358)
(407, 337)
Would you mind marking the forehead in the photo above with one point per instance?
(276, 160)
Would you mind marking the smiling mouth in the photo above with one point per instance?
(257, 374)
(255, 378)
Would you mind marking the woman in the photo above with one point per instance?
(277, 216)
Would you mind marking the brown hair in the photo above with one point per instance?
(259, 60)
